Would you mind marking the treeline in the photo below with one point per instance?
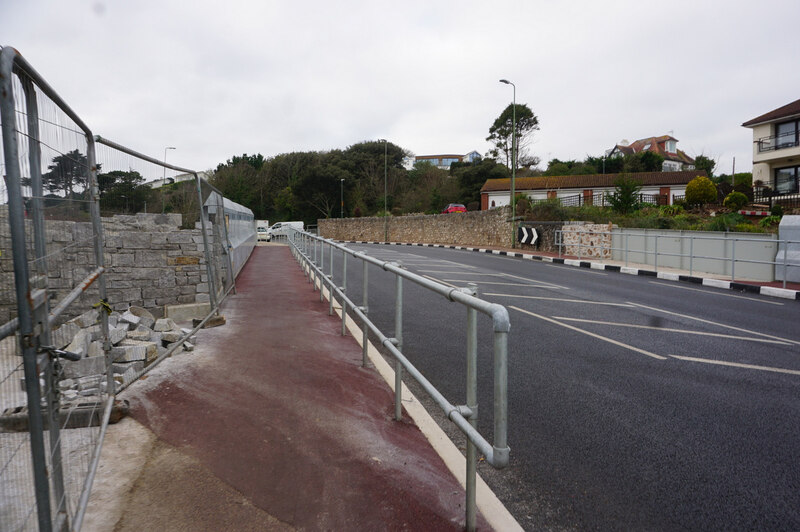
(310, 185)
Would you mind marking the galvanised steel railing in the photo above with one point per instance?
(731, 259)
(309, 250)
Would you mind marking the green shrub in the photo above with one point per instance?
(550, 210)
(625, 197)
(670, 210)
(776, 210)
(735, 201)
(725, 222)
(770, 221)
(700, 191)
(747, 227)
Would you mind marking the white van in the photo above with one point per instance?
(281, 229)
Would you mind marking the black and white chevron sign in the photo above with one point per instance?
(527, 235)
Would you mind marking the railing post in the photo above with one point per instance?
(365, 310)
(656, 253)
(398, 336)
(785, 260)
(321, 268)
(691, 255)
(733, 259)
(344, 291)
(626, 248)
(330, 285)
(472, 404)
(580, 246)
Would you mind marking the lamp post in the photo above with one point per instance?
(513, 157)
(341, 182)
(164, 178)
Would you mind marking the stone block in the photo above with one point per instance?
(146, 318)
(128, 353)
(81, 368)
(131, 319)
(80, 343)
(140, 333)
(186, 312)
(171, 336)
(96, 349)
(214, 321)
(122, 367)
(188, 346)
(123, 259)
(87, 319)
(164, 324)
(136, 240)
(63, 336)
(90, 381)
(117, 334)
(150, 348)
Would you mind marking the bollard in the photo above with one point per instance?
(365, 286)
(344, 291)
(398, 335)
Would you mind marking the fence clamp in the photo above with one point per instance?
(55, 353)
(103, 304)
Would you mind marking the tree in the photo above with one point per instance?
(701, 162)
(625, 197)
(500, 135)
(123, 191)
(700, 190)
(472, 176)
(67, 172)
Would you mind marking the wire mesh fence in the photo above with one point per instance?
(86, 299)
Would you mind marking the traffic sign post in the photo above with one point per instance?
(527, 235)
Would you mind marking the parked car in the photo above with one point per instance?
(262, 234)
(454, 207)
(282, 229)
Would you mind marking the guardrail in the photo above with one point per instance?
(729, 260)
(309, 250)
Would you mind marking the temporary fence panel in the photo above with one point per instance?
(55, 392)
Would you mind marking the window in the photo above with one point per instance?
(671, 146)
(786, 134)
(786, 180)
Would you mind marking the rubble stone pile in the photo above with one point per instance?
(137, 340)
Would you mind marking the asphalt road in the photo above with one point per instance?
(634, 403)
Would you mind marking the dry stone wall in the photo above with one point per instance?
(478, 228)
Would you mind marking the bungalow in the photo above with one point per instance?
(586, 189)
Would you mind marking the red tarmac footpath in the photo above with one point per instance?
(285, 417)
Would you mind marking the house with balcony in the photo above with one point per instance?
(776, 154)
(666, 146)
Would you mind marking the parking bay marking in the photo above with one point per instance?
(673, 285)
(668, 329)
(593, 335)
(737, 365)
(716, 323)
(561, 299)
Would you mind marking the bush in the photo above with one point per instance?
(700, 191)
(725, 222)
(550, 210)
(625, 197)
(776, 210)
(770, 221)
(748, 228)
(735, 201)
(670, 210)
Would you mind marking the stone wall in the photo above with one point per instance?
(477, 228)
(592, 241)
(150, 262)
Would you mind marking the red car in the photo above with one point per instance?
(454, 207)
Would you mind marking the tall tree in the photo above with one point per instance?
(500, 135)
(701, 162)
(66, 173)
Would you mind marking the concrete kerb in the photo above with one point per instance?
(489, 505)
(769, 291)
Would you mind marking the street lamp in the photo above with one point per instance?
(513, 158)
(341, 181)
(164, 178)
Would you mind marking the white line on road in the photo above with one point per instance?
(564, 300)
(668, 329)
(512, 276)
(672, 285)
(593, 335)
(584, 270)
(716, 323)
(463, 273)
(738, 365)
(440, 281)
(529, 285)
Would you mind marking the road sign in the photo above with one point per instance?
(527, 235)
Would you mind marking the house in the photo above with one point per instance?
(776, 151)
(666, 146)
(444, 161)
(657, 187)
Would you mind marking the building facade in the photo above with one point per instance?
(666, 146)
(444, 161)
(776, 150)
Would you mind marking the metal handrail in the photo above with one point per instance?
(310, 252)
(691, 255)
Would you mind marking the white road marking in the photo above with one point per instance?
(463, 273)
(512, 276)
(593, 335)
(668, 329)
(737, 365)
(584, 270)
(670, 285)
(716, 323)
(529, 285)
(626, 305)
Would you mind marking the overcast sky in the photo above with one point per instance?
(216, 79)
